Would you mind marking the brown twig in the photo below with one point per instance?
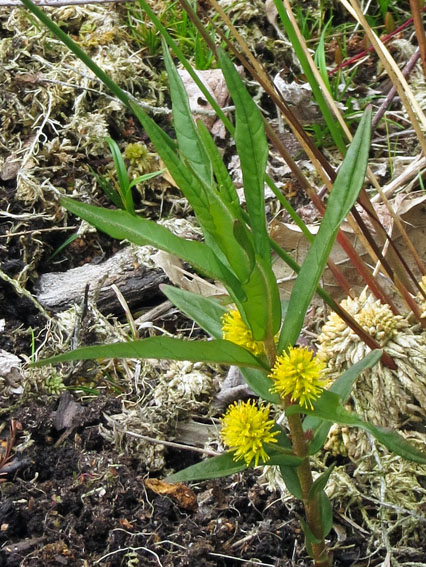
(391, 94)
(420, 31)
(365, 52)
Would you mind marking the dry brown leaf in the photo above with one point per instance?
(183, 496)
(173, 268)
(411, 210)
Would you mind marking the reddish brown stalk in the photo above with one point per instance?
(420, 31)
(257, 71)
(365, 52)
(355, 257)
(398, 259)
(409, 66)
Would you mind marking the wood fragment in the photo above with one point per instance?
(138, 283)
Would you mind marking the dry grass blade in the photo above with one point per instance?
(322, 166)
(393, 267)
(364, 235)
(256, 70)
(413, 109)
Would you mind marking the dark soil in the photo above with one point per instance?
(75, 501)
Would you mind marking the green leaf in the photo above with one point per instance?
(320, 483)
(291, 481)
(108, 189)
(187, 136)
(262, 306)
(345, 191)
(326, 512)
(146, 177)
(252, 148)
(329, 408)
(224, 181)
(63, 245)
(205, 311)
(224, 465)
(260, 384)
(122, 225)
(329, 118)
(321, 62)
(342, 386)
(123, 177)
(216, 467)
(164, 348)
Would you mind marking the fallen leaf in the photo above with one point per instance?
(184, 496)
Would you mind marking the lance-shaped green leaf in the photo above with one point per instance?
(252, 148)
(123, 177)
(189, 142)
(163, 348)
(342, 386)
(329, 408)
(122, 225)
(326, 513)
(345, 191)
(262, 308)
(216, 467)
(291, 481)
(224, 465)
(205, 311)
(224, 182)
(320, 483)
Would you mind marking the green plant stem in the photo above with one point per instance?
(304, 473)
(270, 350)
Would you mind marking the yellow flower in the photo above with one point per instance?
(298, 374)
(246, 428)
(236, 331)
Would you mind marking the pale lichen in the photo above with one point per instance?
(384, 396)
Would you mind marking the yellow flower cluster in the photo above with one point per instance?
(246, 428)
(298, 374)
(236, 331)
